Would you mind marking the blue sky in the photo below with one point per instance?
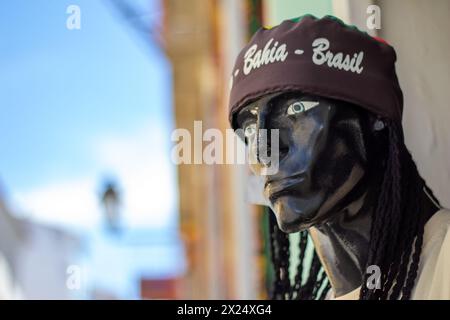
(79, 105)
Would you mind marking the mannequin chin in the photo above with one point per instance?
(293, 214)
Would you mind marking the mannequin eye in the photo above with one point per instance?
(295, 108)
(301, 106)
(250, 130)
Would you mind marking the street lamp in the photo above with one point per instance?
(111, 204)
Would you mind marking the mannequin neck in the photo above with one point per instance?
(342, 243)
(345, 263)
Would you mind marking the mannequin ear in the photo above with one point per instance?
(378, 125)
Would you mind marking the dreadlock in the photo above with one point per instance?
(398, 223)
(395, 239)
(314, 286)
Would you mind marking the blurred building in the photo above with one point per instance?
(113, 261)
(123, 262)
(34, 258)
(160, 288)
(218, 225)
(42, 261)
(126, 264)
(10, 239)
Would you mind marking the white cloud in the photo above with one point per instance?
(66, 202)
(139, 161)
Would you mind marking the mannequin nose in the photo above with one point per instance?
(263, 138)
(258, 138)
(264, 132)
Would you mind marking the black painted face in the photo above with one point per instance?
(322, 154)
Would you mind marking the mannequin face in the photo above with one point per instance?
(322, 155)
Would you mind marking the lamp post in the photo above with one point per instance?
(111, 204)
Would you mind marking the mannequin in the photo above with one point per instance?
(331, 139)
(346, 178)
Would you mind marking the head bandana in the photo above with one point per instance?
(324, 57)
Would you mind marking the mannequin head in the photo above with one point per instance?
(328, 150)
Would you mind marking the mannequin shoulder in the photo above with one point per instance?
(434, 276)
(436, 235)
(438, 225)
(444, 214)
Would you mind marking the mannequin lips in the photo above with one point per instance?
(273, 189)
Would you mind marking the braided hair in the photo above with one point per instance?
(314, 286)
(396, 234)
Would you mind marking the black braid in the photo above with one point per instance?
(280, 259)
(316, 284)
(385, 220)
(412, 274)
(398, 223)
(298, 281)
(412, 188)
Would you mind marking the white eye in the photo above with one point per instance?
(301, 106)
(250, 130)
(295, 108)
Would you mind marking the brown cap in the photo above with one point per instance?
(324, 57)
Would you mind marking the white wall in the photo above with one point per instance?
(42, 262)
(419, 32)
